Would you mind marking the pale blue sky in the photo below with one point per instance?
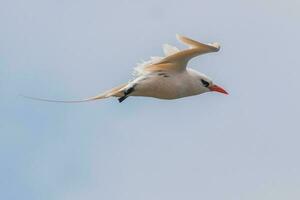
(213, 147)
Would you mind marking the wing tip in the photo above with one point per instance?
(169, 49)
(216, 45)
(180, 37)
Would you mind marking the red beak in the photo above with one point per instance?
(216, 88)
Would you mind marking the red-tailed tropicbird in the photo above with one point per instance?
(165, 77)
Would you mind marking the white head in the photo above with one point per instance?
(204, 83)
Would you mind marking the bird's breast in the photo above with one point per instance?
(165, 86)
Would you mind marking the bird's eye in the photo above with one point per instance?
(205, 83)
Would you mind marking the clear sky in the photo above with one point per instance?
(213, 147)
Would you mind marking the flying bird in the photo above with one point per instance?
(165, 77)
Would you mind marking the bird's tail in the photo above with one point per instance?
(115, 92)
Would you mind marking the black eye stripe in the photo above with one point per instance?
(205, 83)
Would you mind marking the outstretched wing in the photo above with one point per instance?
(196, 49)
(177, 60)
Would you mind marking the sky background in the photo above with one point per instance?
(243, 146)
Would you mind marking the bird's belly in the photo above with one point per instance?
(161, 87)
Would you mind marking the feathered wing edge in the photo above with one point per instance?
(114, 92)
